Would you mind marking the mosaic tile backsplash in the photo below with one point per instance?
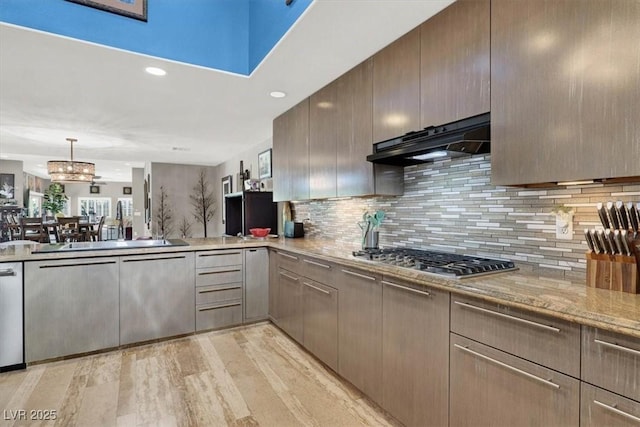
(451, 206)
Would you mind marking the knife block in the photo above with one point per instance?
(613, 272)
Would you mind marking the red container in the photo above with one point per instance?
(260, 232)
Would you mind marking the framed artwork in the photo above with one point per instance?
(126, 190)
(94, 189)
(136, 9)
(7, 185)
(227, 188)
(264, 164)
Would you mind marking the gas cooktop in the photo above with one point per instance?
(441, 263)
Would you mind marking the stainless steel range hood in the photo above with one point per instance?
(462, 138)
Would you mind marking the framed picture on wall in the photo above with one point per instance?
(126, 190)
(136, 9)
(264, 164)
(227, 188)
(94, 189)
(7, 185)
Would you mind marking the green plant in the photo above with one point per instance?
(54, 199)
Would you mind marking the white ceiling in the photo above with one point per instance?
(53, 87)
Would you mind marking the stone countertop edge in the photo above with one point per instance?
(568, 300)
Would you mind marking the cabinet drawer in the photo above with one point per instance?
(318, 270)
(289, 262)
(491, 387)
(218, 258)
(219, 315)
(599, 408)
(611, 361)
(547, 341)
(218, 275)
(218, 293)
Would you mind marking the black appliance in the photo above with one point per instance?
(461, 138)
(441, 263)
(250, 209)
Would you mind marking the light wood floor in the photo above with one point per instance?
(246, 376)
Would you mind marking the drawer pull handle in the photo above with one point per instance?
(219, 272)
(617, 347)
(222, 254)
(81, 264)
(613, 408)
(504, 365)
(8, 272)
(373, 279)
(227, 288)
(316, 288)
(154, 259)
(288, 256)
(404, 288)
(317, 263)
(220, 306)
(295, 279)
(506, 316)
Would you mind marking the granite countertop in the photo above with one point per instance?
(569, 300)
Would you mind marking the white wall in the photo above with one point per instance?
(178, 182)
(139, 227)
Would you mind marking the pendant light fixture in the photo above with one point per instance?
(69, 170)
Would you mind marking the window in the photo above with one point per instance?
(99, 206)
(127, 206)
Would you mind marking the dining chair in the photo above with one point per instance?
(31, 229)
(13, 223)
(69, 229)
(96, 234)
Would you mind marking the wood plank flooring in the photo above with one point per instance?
(247, 376)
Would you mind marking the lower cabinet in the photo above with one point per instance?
(360, 330)
(489, 387)
(320, 313)
(256, 284)
(290, 304)
(157, 294)
(599, 408)
(71, 307)
(274, 286)
(415, 354)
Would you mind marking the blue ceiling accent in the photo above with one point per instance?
(229, 35)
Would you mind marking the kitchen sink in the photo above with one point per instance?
(108, 244)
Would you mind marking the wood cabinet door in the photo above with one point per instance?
(323, 116)
(455, 63)
(354, 127)
(599, 408)
(256, 284)
(396, 88)
(290, 304)
(291, 154)
(274, 286)
(360, 330)
(415, 354)
(491, 388)
(564, 90)
(70, 307)
(321, 321)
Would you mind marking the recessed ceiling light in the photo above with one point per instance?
(155, 71)
(40, 165)
(277, 94)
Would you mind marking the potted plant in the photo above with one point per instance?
(54, 199)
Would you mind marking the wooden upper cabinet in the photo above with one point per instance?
(455, 63)
(565, 89)
(291, 154)
(396, 88)
(322, 142)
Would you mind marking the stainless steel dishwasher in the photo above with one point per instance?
(11, 317)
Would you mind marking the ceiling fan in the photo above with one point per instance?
(94, 182)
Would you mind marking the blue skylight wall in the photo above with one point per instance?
(210, 33)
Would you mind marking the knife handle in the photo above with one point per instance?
(602, 241)
(613, 215)
(602, 213)
(633, 220)
(624, 237)
(623, 216)
(587, 237)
